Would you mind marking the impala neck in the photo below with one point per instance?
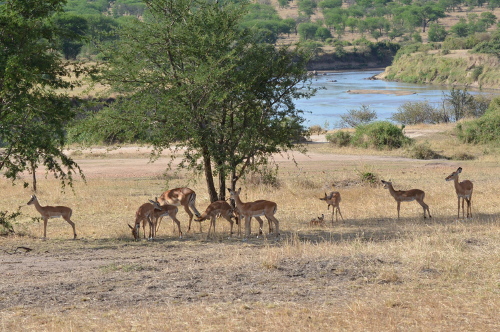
(457, 185)
(38, 207)
(391, 190)
(237, 200)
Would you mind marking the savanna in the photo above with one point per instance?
(371, 272)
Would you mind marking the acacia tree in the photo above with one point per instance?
(32, 114)
(193, 80)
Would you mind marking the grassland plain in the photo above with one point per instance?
(369, 273)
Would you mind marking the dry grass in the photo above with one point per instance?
(370, 273)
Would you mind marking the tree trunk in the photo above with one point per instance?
(222, 185)
(212, 193)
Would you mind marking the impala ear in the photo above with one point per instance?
(130, 226)
(459, 170)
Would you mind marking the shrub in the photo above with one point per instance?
(316, 129)
(340, 138)
(368, 178)
(6, 221)
(418, 112)
(354, 117)
(380, 135)
(422, 151)
(483, 130)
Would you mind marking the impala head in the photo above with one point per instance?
(324, 198)
(32, 200)
(454, 174)
(155, 203)
(233, 194)
(386, 184)
(135, 231)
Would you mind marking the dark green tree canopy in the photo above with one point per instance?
(32, 114)
(191, 78)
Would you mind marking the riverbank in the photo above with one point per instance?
(455, 68)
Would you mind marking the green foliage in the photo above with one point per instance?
(72, 29)
(411, 113)
(32, 113)
(421, 151)
(196, 81)
(339, 138)
(7, 220)
(369, 178)
(437, 33)
(356, 117)
(462, 104)
(379, 135)
(307, 31)
(491, 46)
(484, 130)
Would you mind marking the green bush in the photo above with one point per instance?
(354, 117)
(379, 135)
(339, 138)
(422, 151)
(484, 130)
(411, 113)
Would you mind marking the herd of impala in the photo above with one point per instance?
(166, 205)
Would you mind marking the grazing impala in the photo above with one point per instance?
(177, 197)
(215, 210)
(147, 213)
(334, 200)
(52, 212)
(255, 209)
(407, 196)
(463, 190)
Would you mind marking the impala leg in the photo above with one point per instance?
(158, 221)
(338, 209)
(458, 207)
(468, 207)
(45, 220)
(248, 226)
(72, 225)
(212, 222)
(178, 226)
(261, 224)
(276, 225)
(399, 206)
(186, 208)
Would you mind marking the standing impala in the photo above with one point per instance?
(407, 196)
(52, 212)
(215, 210)
(255, 209)
(463, 190)
(177, 197)
(334, 200)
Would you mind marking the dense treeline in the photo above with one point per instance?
(318, 24)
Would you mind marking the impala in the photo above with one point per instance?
(177, 197)
(407, 196)
(147, 213)
(215, 210)
(52, 212)
(334, 200)
(255, 209)
(463, 190)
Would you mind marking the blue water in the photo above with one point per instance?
(327, 105)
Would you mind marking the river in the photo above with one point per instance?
(328, 104)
